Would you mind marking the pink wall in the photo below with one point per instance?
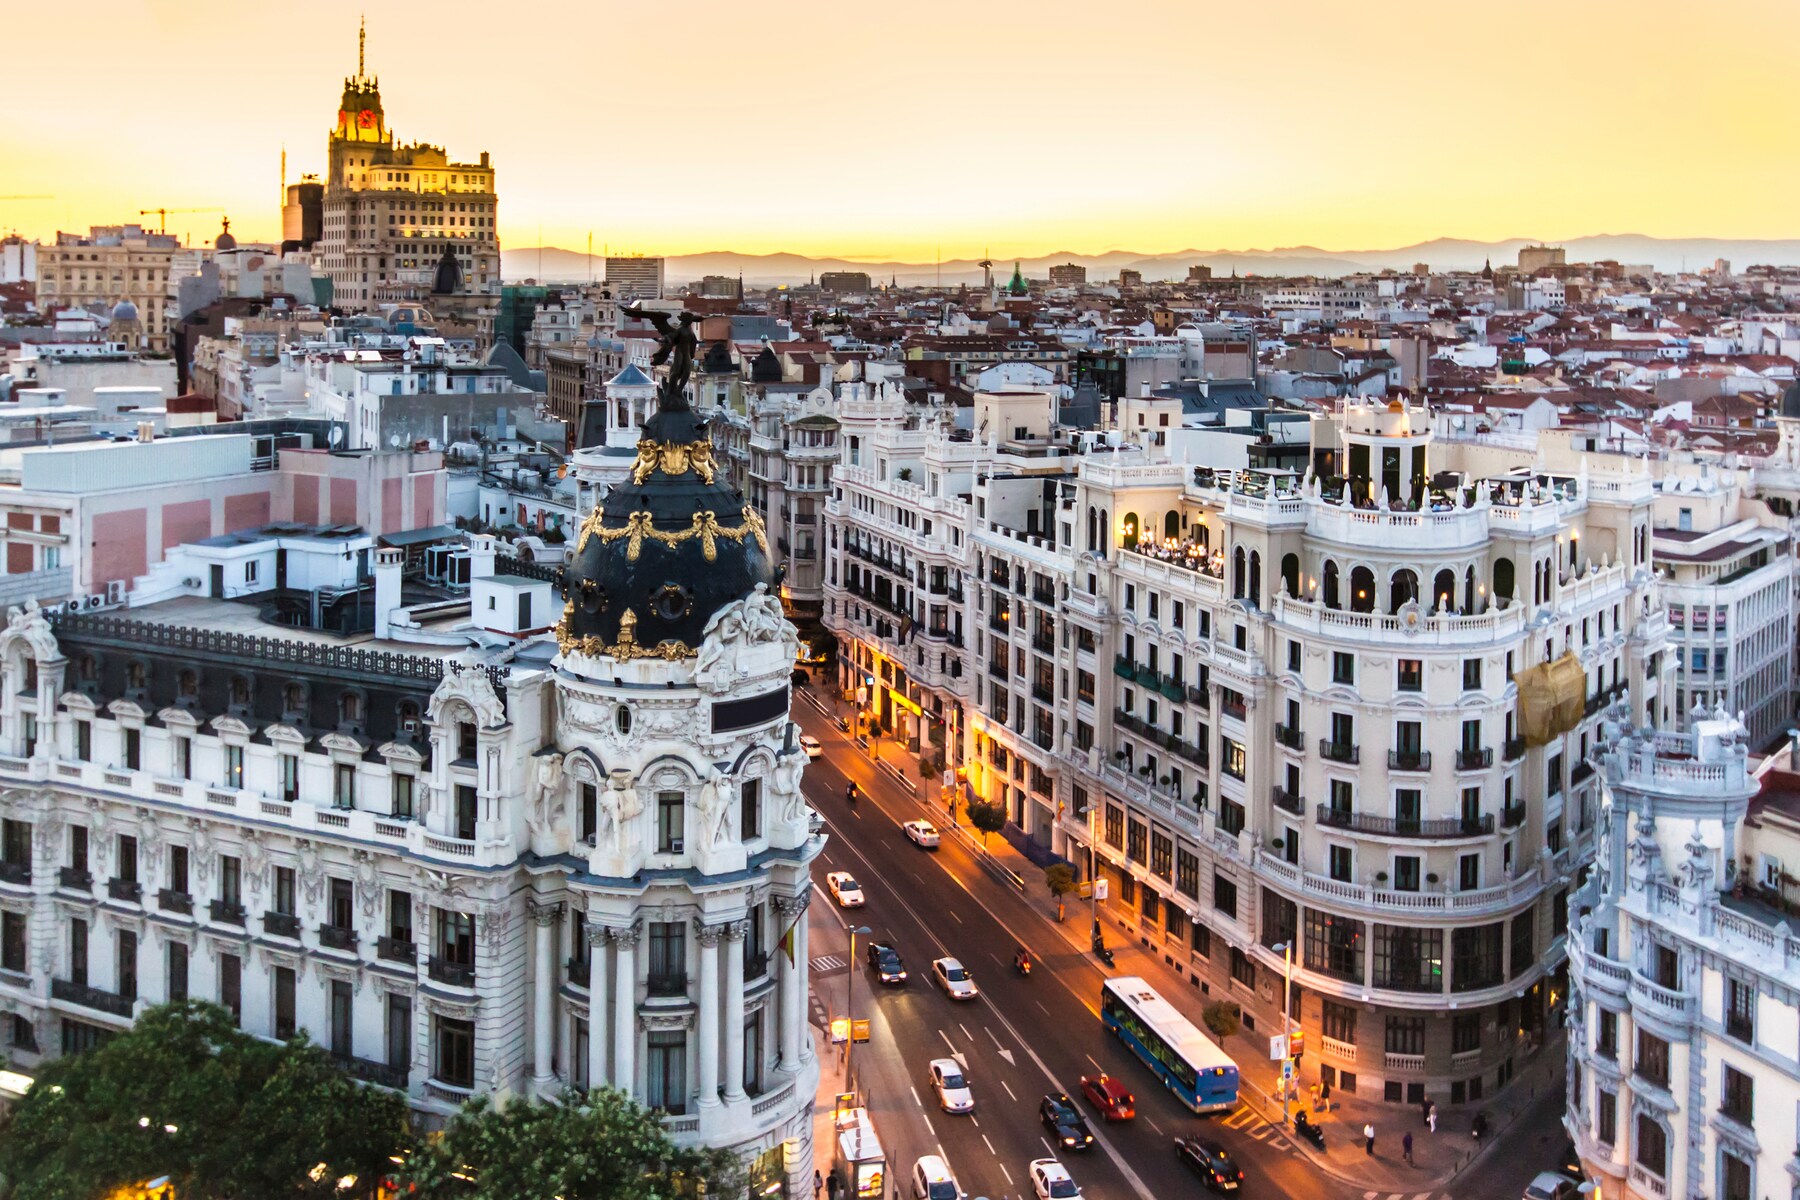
(343, 502)
(186, 521)
(119, 545)
(393, 517)
(246, 511)
(306, 499)
(425, 511)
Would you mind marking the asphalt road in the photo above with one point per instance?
(1022, 1037)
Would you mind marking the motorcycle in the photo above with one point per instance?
(1022, 963)
(1099, 946)
(850, 794)
(1311, 1132)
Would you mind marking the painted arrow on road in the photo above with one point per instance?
(1004, 1052)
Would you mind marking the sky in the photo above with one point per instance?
(908, 130)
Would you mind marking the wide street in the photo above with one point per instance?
(1023, 1037)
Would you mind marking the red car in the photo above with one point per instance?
(1109, 1096)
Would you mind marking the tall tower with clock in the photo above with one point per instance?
(360, 123)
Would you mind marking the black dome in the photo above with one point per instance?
(449, 274)
(669, 546)
(1790, 402)
(766, 368)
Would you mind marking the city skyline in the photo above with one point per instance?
(1004, 136)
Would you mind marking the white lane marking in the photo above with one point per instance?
(990, 1146)
(915, 1092)
(1015, 1099)
(947, 1041)
(1048, 1146)
(965, 1030)
(975, 1123)
(1097, 1066)
(928, 1123)
(1006, 1173)
(1040, 1004)
(1155, 1126)
(953, 915)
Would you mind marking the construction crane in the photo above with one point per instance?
(162, 215)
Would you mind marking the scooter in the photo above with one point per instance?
(850, 793)
(1022, 963)
(1308, 1130)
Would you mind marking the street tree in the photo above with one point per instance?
(1060, 879)
(1222, 1018)
(186, 1094)
(987, 818)
(598, 1146)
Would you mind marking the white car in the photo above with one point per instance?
(932, 1180)
(950, 1086)
(844, 889)
(810, 744)
(922, 833)
(1051, 1180)
(954, 978)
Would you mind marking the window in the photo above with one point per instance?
(342, 1015)
(1225, 895)
(465, 812)
(343, 791)
(1465, 1032)
(290, 777)
(1406, 873)
(1202, 941)
(1280, 920)
(1606, 1116)
(1343, 667)
(126, 948)
(1739, 1099)
(181, 750)
(1652, 1145)
(12, 942)
(399, 916)
(403, 798)
(1740, 1010)
(1340, 863)
(1523, 942)
(1468, 872)
(1652, 1059)
(84, 740)
(465, 741)
(1334, 945)
(1162, 850)
(453, 1058)
(1115, 826)
(753, 1053)
(177, 972)
(284, 1003)
(671, 813)
(1242, 969)
(399, 1032)
(1735, 1177)
(1476, 954)
(456, 938)
(231, 986)
(668, 958)
(178, 870)
(1471, 674)
(1410, 675)
(127, 869)
(1339, 1022)
(133, 745)
(1187, 872)
(665, 1071)
(1606, 1034)
(283, 900)
(1405, 1035)
(231, 880)
(1409, 958)
(750, 810)
(234, 766)
(339, 911)
(15, 846)
(1136, 836)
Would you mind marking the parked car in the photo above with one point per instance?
(922, 833)
(1209, 1160)
(1067, 1126)
(950, 1086)
(1549, 1185)
(844, 889)
(954, 978)
(1112, 1098)
(885, 961)
(1052, 1181)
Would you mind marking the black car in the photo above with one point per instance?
(885, 961)
(1217, 1169)
(1066, 1123)
(1569, 1163)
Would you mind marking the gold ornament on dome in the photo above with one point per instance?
(673, 458)
(706, 527)
(625, 648)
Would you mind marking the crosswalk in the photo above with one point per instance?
(1406, 1196)
(1245, 1120)
(828, 962)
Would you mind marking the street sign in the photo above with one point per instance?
(1100, 888)
(841, 1028)
(1287, 1070)
(859, 1029)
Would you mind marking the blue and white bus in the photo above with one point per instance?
(1190, 1064)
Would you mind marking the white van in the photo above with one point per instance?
(932, 1180)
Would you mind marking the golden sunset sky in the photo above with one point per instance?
(899, 129)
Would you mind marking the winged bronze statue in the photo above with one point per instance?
(679, 342)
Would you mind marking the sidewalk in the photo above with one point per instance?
(1437, 1158)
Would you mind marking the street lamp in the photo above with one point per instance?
(1287, 1022)
(850, 1006)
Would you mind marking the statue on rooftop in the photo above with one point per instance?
(679, 342)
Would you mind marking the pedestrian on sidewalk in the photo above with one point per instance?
(818, 1184)
(1424, 1110)
(1431, 1118)
(1369, 1139)
(831, 1188)
(1405, 1149)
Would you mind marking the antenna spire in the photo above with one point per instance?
(362, 34)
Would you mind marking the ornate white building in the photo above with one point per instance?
(560, 864)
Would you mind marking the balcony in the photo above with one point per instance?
(1513, 749)
(285, 925)
(129, 891)
(226, 912)
(91, 997)
(456, 974)
(370, 1071)
(1171, 688)
(1672, 1006)
(1200, 696)
(1287, 801)
(1442, 827)
(1042, 694)
(1339, 752)
(1043, 643)
(1409, 760)
(1512, 816)
(1234, 709)
(1123, 669)
(75, 879)
(173, 901)
(1290, 737)
(666, 983)
(1043, 595)
(337, 937)
(15, 872)
(1474, 760)
(393, 949)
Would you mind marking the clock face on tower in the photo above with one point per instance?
(365, 119)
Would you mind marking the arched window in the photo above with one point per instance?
(240, 692)
(1362, 590)
(1237, 573)
(1290, 573)
(1203, 536)
(1403, 587)
(137, 675)
(1129, 529)
(350, 708)
(187, 684)
(1093, 517)
(1505, 581)
(1105, 532)
(1468, 604)
(1172, 524)
(1256, 578)
(622, 719)
(87, 668)
(1332, 587)
(293, 699)
(1443, 590)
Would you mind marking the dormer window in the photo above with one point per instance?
(408, 719)
(293, 700)
(87, 668)
(240, 692)
(137, 676)
(349, 709)
(187, 685)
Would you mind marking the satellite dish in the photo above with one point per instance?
(337, 435)
(393, 441)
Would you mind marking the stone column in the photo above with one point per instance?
(734, 1011)
(802, 966)
(624, 1065)
(707, 1026)
(543, 992)
(793, 998)
(597, 1026)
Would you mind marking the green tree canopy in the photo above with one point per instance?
(988, 818)
(186, 1094)
(601, 1146)
(1060, 879)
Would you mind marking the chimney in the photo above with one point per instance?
(146, 431)
(388, 563)
(481, 556)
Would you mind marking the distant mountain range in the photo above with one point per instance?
(556, 265)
